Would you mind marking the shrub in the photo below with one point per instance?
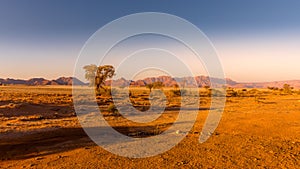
(112, 108)
(158, 85)
(232, 93)
(273, 88)
(287, 88)
(178, 92)
(216, 93)
(175, 93)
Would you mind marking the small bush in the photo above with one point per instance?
(287, 89)
(177, 93)
(112, 108)
(231, 93)
(217, 93)
(273, 88)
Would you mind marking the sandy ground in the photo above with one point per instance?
(39, 129)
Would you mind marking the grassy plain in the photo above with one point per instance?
(260, 128)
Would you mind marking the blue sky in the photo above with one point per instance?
(256, 40)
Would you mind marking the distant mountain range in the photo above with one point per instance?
(201, 81)
(42, 81)
(168, 81)
(198, 81)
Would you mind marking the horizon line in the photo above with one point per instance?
(226, 78)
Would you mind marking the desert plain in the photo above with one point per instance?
(260, 128)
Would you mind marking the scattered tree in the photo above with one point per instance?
(176, 86)
(287, 88)
(98, 75)
(158, 85)
(273, 88)
(149, 86)
(154, 85)
(103, 73)
(206, 87)
(90, 73)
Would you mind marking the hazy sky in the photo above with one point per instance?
(256, 40)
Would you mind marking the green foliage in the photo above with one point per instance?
(90, 73)
(98, 75)
(102, 74)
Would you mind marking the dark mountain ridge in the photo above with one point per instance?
(42, 81)
(168, 81)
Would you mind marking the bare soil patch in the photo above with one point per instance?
(39, 129)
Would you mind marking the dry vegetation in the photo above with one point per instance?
(260, 128)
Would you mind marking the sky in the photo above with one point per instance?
(255, 40)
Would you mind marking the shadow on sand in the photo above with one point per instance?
(24, 145)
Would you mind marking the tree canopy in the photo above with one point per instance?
(97, 75)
